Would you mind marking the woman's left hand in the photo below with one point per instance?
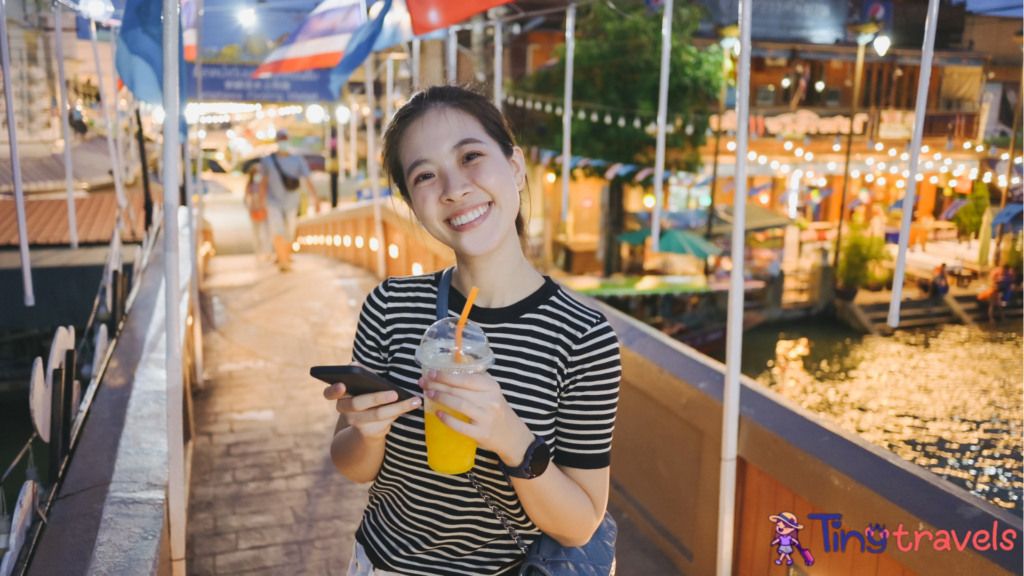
(493, 423)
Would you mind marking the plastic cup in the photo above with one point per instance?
(448, 451)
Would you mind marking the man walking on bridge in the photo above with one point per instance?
(283, 174)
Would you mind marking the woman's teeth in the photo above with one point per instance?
(469, 216)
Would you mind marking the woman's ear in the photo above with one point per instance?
(518, 161)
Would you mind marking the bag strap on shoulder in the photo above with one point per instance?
(442, 293)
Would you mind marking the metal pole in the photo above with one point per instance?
(415, 64)
(858, 70)
(452, 55)
(353, 134)
(65, 126)
(341, 144)
(176, 503)
(570, 50)
(200, 189)
(118, 140)
(12, 133)
(718, 147)
(499, 61)
(375, 181)
(389, 109)
(122, 200)
(1009, 170)
(734, 327)
(659, 155)
(923, 80)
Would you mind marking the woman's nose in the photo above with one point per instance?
(455, 186)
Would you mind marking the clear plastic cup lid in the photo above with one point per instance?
(438, 343)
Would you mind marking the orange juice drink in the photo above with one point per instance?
(448, 451)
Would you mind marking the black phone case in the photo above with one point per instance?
(357, 380)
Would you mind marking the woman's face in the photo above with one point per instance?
(463, 188)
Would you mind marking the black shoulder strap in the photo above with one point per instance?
(442, 293)
(282, 173)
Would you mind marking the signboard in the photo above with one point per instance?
(234, 83)
(814, 21)
(797, 123)
(895, 124)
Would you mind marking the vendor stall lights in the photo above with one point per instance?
(593, 117)
(548, 108)
(649, 200)
(904, 156)
(831, 165)
(881, 166)
(809, 156)
(924, 149)
(785, 169)
(919, 177)
(550, 177)
(558, 110)
(881, 181)
(938, 156)
(788, 145)
(953, 184)
(762, 160)
(869, 178)
(730, 146)
(786, 82)
(933, 179)
(855, 173)
(837, 145)
(799, 152)
(893, 169)
(892, 151)
(775, 164)
(967, 145)
(751, 155)
(1018, 160)
(944, 169)
(879, 147)
(622, 122)
(928, 164)
(608, 119)
(869, 161)
(906, 173)
(636, 123)
(979, 148)
(900, 183)
(822, 181)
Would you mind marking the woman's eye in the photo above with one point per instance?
(472, 156)
(421, 177)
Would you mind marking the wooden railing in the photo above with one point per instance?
(348, 234)
(665, 456)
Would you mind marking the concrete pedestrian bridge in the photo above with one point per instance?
(264, 498)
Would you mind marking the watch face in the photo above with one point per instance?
(539, 459)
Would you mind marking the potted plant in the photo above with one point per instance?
(859, 257)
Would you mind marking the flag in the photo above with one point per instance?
(140, 55)
(613, 170)
(430, 15)
(359, 47)
(317, 42)
(189, 31)
(643, 174)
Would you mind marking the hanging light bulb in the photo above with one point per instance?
(622, 122)
(593, 117)
(547, 107)
(837, 145)
(582, 115)
(689, 129)
(636, 123)
(558, 110)
(607, 118)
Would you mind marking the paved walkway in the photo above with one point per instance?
(266, 498)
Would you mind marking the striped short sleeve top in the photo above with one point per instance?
(557, 362)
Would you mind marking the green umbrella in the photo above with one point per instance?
(677, 241)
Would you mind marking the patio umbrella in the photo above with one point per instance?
(676, 241)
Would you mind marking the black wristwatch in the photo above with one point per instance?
(536, 461)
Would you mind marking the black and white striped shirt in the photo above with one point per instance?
(557, 362)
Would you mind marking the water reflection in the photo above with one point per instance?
(947, 399)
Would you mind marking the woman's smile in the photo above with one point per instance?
(470, 217)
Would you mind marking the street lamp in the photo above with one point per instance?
(881, 44)
(865, 33)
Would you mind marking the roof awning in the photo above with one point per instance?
(758, 218)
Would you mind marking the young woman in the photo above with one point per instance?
(257, 206)
(553, 390)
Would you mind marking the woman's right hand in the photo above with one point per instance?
(370, 414)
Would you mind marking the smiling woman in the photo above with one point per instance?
(550, 397)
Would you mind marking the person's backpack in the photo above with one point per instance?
(291, 183)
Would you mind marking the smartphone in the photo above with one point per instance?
(357, 380)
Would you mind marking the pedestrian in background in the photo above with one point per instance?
(257, 205)
(283, 175)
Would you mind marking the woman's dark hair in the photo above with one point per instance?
(444, 97)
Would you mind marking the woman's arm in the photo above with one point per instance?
(358, 449)
(566, 503)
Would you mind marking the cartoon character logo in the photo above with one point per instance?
(786, 529)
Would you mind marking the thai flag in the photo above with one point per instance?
(430, 15)
(318, 43)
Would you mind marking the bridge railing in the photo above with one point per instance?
(665, 455)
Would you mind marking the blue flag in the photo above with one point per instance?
(140, 60)
(359, 48)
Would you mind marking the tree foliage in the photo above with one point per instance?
(617, 67)
(968, 219)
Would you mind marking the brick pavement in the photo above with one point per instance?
(265, 497)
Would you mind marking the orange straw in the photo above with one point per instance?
(457, 353)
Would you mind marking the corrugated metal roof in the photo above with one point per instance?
(47, 219)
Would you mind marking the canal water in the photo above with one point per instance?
(948, 398)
